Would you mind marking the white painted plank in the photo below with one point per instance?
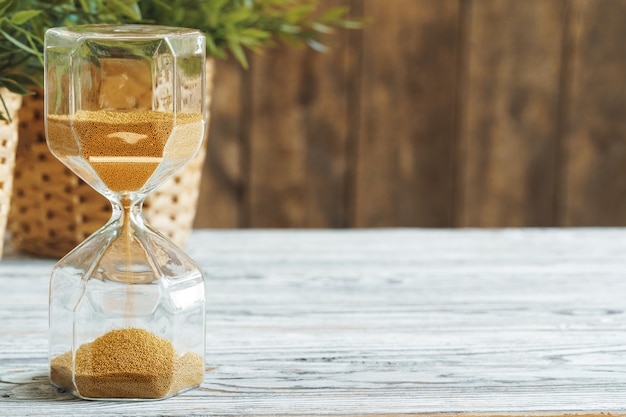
(372, 322)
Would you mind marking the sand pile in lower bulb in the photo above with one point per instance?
(128, 363)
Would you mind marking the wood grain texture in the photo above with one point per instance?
(438, 113)
(405, 170)
(220, 198)
(384, 322)
(298, 134)
(510, 107)
(595, 141)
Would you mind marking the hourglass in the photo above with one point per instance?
(124, 110)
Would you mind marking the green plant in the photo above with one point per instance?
(231, 27)
(234, 25)
(22, 27)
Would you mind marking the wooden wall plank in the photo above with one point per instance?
(379, 133)
(595, 127)
(220, 199)
(510, 107)
(404, 173)
(298, 137)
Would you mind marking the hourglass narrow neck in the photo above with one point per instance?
(128, 211)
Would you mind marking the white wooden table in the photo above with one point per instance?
(372, 322)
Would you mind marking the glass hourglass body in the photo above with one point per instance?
(124, 110)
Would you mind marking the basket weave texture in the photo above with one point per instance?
(8, 144)
(53, 210)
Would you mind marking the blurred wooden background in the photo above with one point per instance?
(441, 113)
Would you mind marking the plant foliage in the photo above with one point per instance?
(231, 27)
(22, 27)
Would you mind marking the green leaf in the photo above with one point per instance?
(334, 14)
(179, 15)
(5, 112)
(234, 17)
(255, 33)
(19, 44)
(126, 10)
(287, 28)
(24, 16)
(39, 54)
(210, 43)
(6, 6)
(21, 78)
(88, 6)
(238, 53)
(14, 86)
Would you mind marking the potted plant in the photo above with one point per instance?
(52, 210)
(231, 27)
(22, 26)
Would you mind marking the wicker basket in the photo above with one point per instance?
(8, 144)
(53, 210)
